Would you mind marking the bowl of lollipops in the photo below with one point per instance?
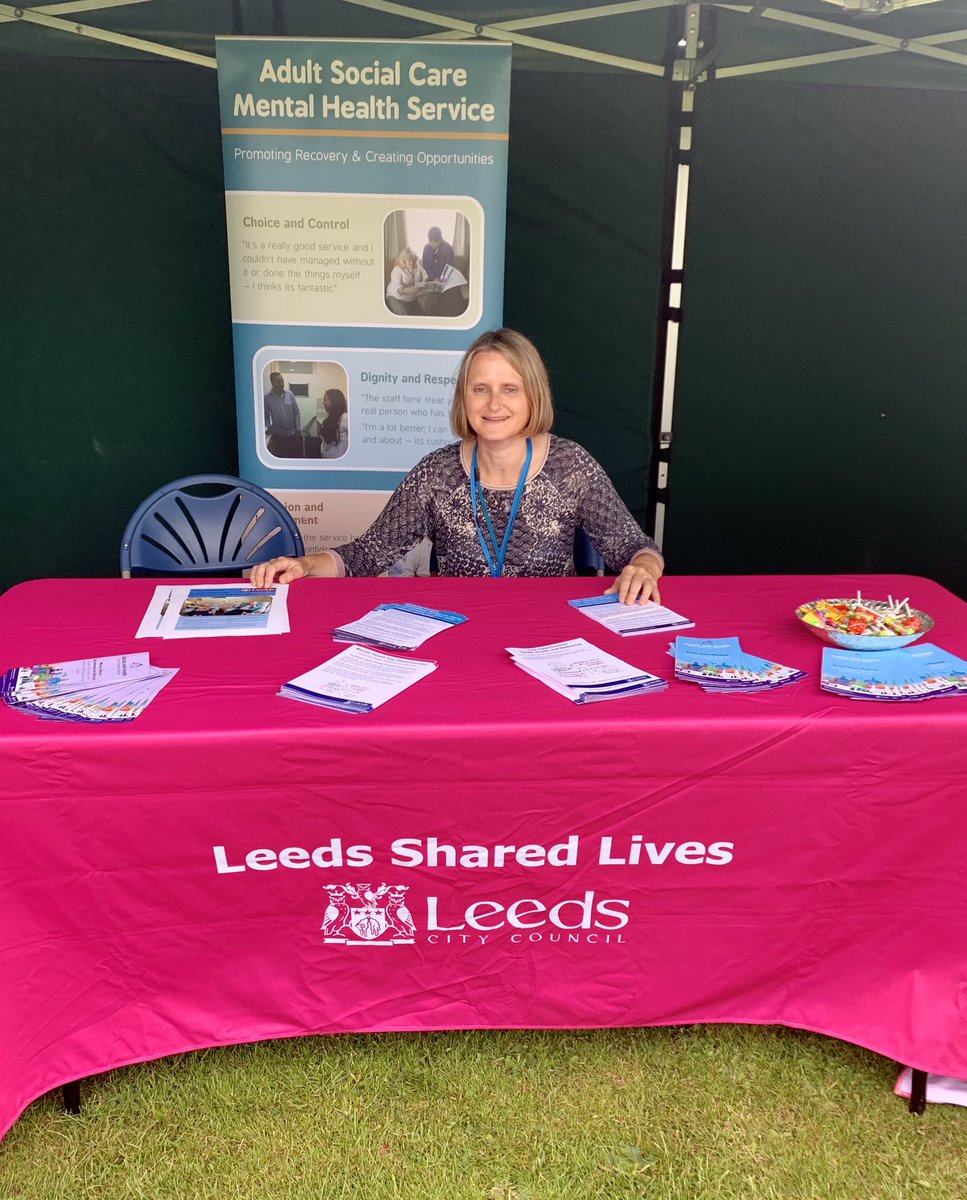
(860, 624)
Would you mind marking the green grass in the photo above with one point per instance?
(704, 1113)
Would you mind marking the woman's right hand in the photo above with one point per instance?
(279, 570)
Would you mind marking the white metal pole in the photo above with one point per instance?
(685, 78)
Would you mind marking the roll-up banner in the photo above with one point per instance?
(365, 189)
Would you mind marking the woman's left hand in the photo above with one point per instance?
(638, 582)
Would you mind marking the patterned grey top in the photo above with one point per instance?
(570, 492)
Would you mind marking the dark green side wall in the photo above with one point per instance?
(114, 295)
(822, 414)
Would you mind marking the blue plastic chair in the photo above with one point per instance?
(207, 523)
(586, 557)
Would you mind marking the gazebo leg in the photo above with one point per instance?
(918, 1092)
(72, 1097)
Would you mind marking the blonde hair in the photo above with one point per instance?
(405, 257)
(522, 355)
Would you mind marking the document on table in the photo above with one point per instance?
(919, 672)
(584, 673)
(112, 702)
(22, 684)
(397, 626)
(630, 620)
(357, 680)
(721, 665)
(212, 610)
(88, 690)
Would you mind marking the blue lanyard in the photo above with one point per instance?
(494, 556)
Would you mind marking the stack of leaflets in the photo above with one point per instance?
(86, 689)
(630, 620)
(210, 610)
(721, 665)
(584, 673)
(911, 673)
(397, 626)
(357, 680)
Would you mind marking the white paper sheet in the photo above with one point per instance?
(216, 610)
(583, 672)
(630, 620)
(397, 626)
(357, 679)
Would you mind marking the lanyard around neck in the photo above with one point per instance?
(488, 538)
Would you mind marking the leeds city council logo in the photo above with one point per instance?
(362, 915)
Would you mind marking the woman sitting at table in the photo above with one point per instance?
(506, 499)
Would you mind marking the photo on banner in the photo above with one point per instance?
(365, 193)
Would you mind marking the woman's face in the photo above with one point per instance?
(496, 402)
(327, 404)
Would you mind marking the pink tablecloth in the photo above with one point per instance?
(787, 858)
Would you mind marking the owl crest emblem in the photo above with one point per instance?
(361, 914)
